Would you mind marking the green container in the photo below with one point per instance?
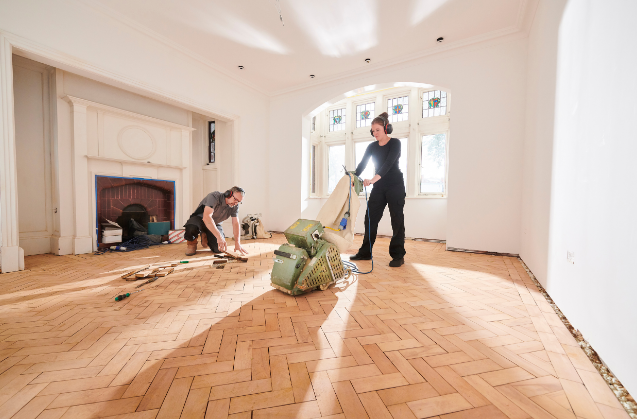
(289, 262)
(322, 269)
(161, 228)
(305, 234)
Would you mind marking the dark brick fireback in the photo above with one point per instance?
(116, 193)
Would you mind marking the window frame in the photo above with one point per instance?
(413, 129)
(358, 103)
(314, 166)
(344, 107)
(326, 162)
(421, 134)
(421, 93)
(395, 95)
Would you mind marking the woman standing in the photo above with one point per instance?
(389, 190)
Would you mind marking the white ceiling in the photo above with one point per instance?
(328, 38)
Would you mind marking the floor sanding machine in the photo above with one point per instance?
(312, 256)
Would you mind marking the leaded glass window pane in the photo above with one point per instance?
(434, 103)
(433, 163)
(364, 115)
(337, 120)
(398, 109)
(336, 161)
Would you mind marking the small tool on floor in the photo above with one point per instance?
(128, 294)
(147, 282)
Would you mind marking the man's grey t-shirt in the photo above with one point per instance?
(220, 210)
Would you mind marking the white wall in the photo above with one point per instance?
(580, 172)
(485, 153)
(538, 146)
(593, 202)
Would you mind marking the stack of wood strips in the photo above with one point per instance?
(149, 272)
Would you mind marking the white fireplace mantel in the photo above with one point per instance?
(115, 142)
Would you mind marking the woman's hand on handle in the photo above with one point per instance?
(371, 181)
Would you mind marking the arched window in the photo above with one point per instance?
(337, 141)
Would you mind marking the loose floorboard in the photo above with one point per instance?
(448, 336)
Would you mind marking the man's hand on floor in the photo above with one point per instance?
(239, 249)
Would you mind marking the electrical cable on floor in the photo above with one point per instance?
(351, 266)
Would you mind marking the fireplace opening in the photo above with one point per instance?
(122, 199)
(135, 212)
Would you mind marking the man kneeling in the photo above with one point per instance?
(206, 221)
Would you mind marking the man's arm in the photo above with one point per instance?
(209, 222)
(236, 229)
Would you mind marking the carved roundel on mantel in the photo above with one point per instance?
(136, 142)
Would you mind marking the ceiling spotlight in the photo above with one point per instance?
(440, 39)
(240, 67)
(368, 60)
(312, 76)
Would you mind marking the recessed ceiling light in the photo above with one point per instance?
(368, 60)
(240, 67)
(312, 76)
(440, 39)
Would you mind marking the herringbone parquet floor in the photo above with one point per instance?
(448, 335)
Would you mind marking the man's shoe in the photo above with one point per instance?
(397, 262)
(191, 247)
(359, 257)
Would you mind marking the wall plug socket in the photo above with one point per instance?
(570, 257)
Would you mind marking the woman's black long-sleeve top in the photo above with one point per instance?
(385, 160)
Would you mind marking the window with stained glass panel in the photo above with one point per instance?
(364, 115)
(398, 109)
(337, 120)
(434, 103)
